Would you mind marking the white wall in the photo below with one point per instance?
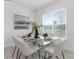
(69, 43)
(12, 8)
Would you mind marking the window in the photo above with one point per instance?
(55, 22)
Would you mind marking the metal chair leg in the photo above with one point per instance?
(45, 55)
(17, 53)
(20, 55)
(50, 56)
(13, 52)
(26, 57)
(39, 53)
(63, 55)
(57, 57)
(32, 55)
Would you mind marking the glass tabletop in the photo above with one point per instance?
(41, 41)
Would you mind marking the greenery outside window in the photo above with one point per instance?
(55, 22)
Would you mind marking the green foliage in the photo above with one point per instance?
(35, 26)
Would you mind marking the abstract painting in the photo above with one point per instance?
(21, 22)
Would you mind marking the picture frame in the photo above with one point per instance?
(21, 22)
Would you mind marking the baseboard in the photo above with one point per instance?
(70, 50)
(8, 45)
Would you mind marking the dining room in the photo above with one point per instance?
(39, 29)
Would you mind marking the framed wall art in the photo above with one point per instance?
(21, 22)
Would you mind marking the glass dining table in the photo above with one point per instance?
(42, 43)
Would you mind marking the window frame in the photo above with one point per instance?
(52, 12)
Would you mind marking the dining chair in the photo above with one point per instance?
(24, 47)
(55, 49)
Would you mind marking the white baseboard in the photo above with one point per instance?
(8, 45)
(70, 50)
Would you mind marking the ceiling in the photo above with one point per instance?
(34, 4)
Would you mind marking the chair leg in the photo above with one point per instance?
(45, 55)
(17, 54)
(13, 52)
(57, 57)
(20, 55)
(50, 56)
(39, 53)
(26, 57)
(63, 55)
(32, 55)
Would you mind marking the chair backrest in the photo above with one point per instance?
(59, 47)
(24, 47)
